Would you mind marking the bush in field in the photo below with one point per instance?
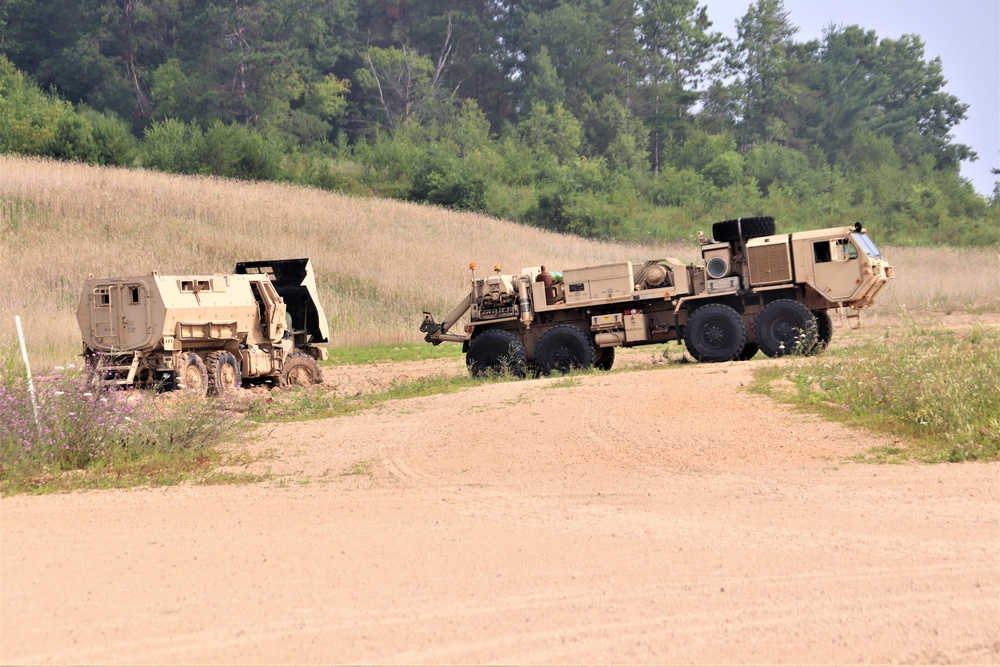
(73, 424)
(73, 139)
(115, 144)
(28, 117)
(172, 146)
(449, 183)
(235, 151)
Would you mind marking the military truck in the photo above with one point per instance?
(206, 333)
(754, 289)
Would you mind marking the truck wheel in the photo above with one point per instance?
(605, 358)
(300, 370)
(785, 327)
(715, 332)
(495, 352)
(563, 348)
(729, 230)
(192, 376)
(748, 352)
(824, 331)
(223, 372)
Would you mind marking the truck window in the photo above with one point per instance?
(821, 251)
(133, 294)
(845, 250)
(195, 285)
(103, 297)
(866, 243)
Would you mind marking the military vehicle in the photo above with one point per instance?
(754, 289)
(200, 333)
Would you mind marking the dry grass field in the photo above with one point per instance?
(379, 263)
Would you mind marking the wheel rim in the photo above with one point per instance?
(192, 378)
(564, 358)
(300, 376)
(227, 375)
(714, 336)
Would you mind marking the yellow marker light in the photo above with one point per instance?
(496, 267)
(472, 265)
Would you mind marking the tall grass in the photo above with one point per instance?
(937, 388)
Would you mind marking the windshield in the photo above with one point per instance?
(866, 244)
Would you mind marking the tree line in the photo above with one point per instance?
(630, 119)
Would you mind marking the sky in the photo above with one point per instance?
(965, 34)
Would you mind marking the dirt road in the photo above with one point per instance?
(659, 516)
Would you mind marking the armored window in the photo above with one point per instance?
(845, 250)
(195, 285)
(133, 294)
(103, 297)
(821, 251)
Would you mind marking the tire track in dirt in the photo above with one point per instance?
(658, 516)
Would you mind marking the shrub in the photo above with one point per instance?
(72, 140)
(449, 183)
(235, 151)
(115, 144)
(172, 146)
(74, 425)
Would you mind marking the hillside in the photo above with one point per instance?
(379, 263)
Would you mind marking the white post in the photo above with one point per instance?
(27, 368)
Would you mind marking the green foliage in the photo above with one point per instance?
(236, 151)
(116, 146)
(938, 388)
(595, 118)
(28, 117)
(173, 146)
(233, 151)
(444, 182)
(73, 139)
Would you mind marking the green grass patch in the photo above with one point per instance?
(568, 381)
(359, 469)
(937, 389)
(305, 403)
(377, 354)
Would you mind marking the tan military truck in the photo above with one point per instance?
(753, 290)
(206, 332)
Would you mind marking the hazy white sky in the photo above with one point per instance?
(965, 34)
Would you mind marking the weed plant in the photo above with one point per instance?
(76, 434)
(939, 389)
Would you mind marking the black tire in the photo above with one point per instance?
(604, 358)
(824, 331)
(300, 370)
(785, 327)
(714, 333)
(748, 352)
(496, 352)
(224, 373)
(564, 348)
(729, 230)
(191, 376)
